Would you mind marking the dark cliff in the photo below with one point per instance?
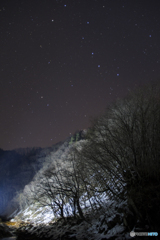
(17, 168)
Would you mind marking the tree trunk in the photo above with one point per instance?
(61, 208)
(79, 209)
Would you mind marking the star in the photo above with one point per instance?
(55, 62)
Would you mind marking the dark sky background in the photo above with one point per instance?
(64, 61)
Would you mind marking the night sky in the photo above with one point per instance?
(64, 61)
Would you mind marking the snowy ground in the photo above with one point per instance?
(44, 215)
(106, 224)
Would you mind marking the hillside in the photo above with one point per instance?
(101, 183)
(18, 168)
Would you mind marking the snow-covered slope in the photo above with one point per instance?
(107, 223)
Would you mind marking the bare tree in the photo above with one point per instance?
(58, 187)
(119, 157)
(123, 145)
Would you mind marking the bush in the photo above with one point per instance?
(123, 148)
